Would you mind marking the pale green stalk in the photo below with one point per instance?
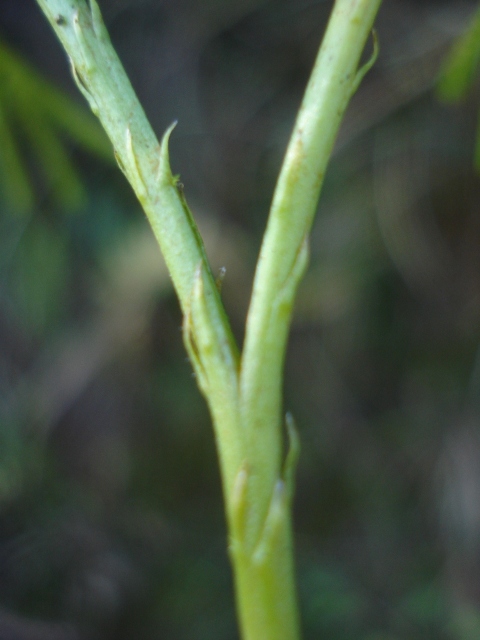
(282, 260)
(101, 78)
(283, 255)
(244, 397)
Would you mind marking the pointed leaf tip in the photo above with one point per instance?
(164, 173)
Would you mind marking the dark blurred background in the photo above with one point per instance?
(111, 517)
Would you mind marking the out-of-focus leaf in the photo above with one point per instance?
(461, 65)
(333, 606)
(425, 605)
(40, 111)
(55, 105)
(54, 160)
(16, 186)
(459, 71)
(11, 475)
(477, 146)
(465, 624)
(40, 277)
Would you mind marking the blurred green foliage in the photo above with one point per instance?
(460, 67)
(40, 277)
(33, 114)
(460, 70)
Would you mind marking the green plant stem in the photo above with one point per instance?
(283, 254)
(283, 257)
(102, 80)
(244, 396)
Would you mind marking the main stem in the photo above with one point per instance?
(244, 396)
(282, 259)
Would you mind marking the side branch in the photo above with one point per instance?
(102, 80)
